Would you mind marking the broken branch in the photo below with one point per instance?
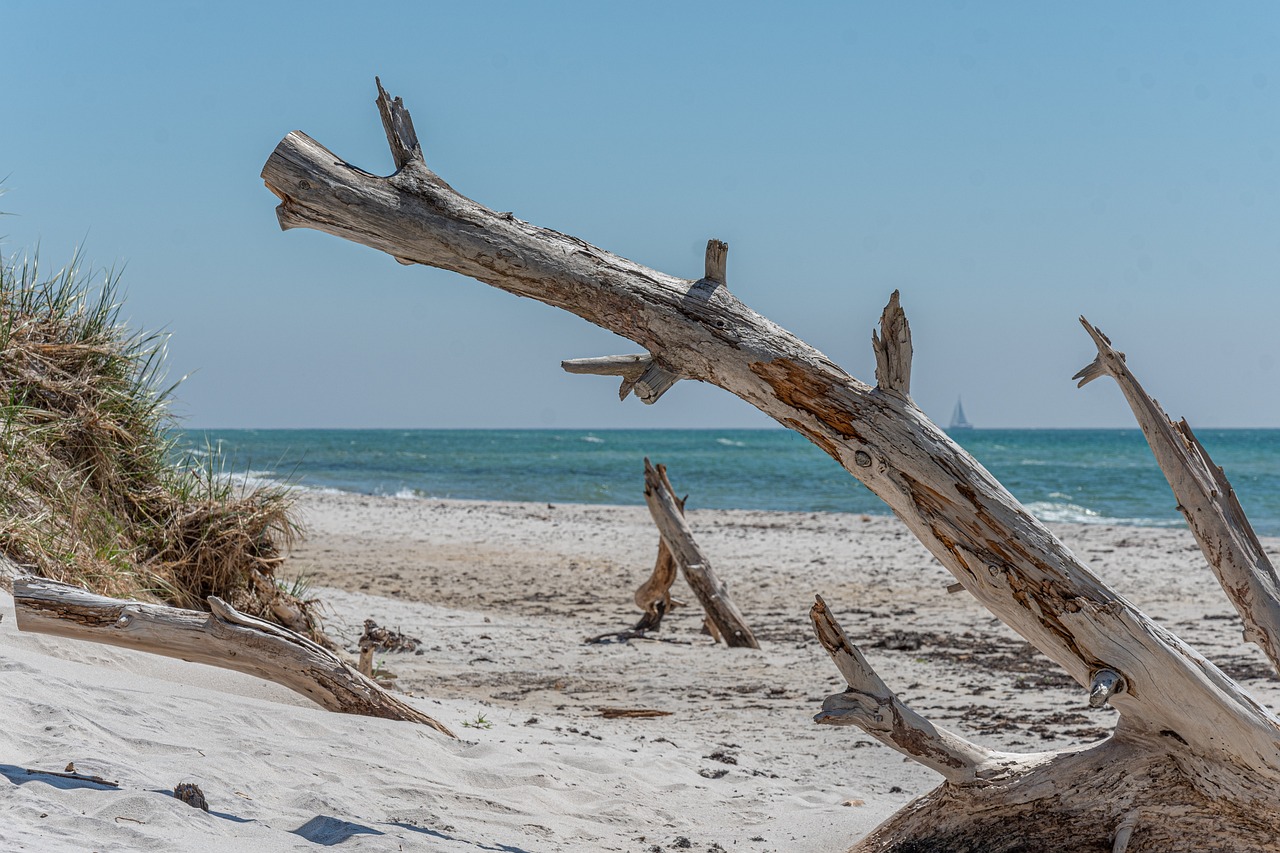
(1206, 500)
(871, 706)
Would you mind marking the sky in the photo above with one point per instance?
(1007, 166)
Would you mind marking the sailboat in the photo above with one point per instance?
(958, 421)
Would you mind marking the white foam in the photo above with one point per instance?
(1074, 513)
(323, 490)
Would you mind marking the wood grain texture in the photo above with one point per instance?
(626, 366)
(1205, 499)
(398, 125)
(893, 350)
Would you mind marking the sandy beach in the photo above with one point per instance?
(502, 596)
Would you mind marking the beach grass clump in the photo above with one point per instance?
(91, 490)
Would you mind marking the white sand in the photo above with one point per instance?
(502, 596)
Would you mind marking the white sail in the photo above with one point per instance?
(958, 420)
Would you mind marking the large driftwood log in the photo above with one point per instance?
(224, 638)
(1194, 763)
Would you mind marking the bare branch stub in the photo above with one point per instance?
(1105, 684)
(629, 367)
(626, 366)
(653, 383)
(717, 261)
(1124, 831)
(639, 372)
(398, 124)
(893, 349)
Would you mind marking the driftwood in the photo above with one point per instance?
(632, 713)
(1194, 762)
(224, 638)
(679, 552)
(654, 595)
(70, 773)
(723, 619)
(1205, 499)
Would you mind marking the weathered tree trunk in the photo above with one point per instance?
(1194, 763)
(224, 638)
(723, 619)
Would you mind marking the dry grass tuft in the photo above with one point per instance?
(90, 491)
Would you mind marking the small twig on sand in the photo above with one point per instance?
(633, 634)
(81, 777)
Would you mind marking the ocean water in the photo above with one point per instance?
(1089, 476)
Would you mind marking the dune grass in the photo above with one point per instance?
(91, 491)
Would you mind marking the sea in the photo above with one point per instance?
(1089, 476)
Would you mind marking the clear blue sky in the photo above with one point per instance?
(1008, 166)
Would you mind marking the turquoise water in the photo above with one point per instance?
(1091, 476)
